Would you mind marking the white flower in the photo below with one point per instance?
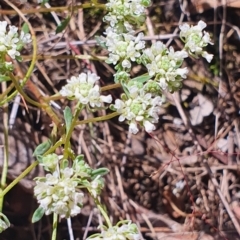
(124, 47)
(126, 63)
(149, 127)
(206, 38)
(164, 64)
(113, 58)
(83, 89)
(127, 231)
(177, 56)
(112, 19)
(133, 128)
(58, 193)
(10, 42)
(182, 72)
(13, 53)
(3, 26)
(25, 37)
(120, 11)
(201, 25)
(140, 108)
(208, 56)
(195, 39)
(163, 83)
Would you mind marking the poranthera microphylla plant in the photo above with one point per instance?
(60, 191)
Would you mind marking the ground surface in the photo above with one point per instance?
(181, 182)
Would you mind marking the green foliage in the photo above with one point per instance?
(63, 25)
(68, 118)
(4, 78)
(38, 214)
(99, 171)
(142, 79)
(44, 1)
(25, 28)
(64, 164)
(42, 148)
(215, 69)
(100, 42)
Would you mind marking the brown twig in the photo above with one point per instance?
(224, 201)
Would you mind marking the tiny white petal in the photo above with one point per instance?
(133, 128)
(207, 56)
(121, 118)
(107, 99)
(182, 72)
(149, 127)
(201, 24)
(126, 64)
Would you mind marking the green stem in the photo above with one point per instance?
(20, 177)
(55, 223)
(6, 152)
(53, 148)
(17, 86)
(97, 119)
(54, 97)
(100, 207)
(44, 106)
(109, 87)
(27, 171)
(5, 93)
(78, 109)
(6, 155)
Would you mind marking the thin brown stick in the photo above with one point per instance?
(224, 201)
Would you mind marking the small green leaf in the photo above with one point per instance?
(68, 117)
(79, 158)
(64, 163)
(18, 58)
(4, 78)
(40, 158)
(42, 148)
(25, 28)
(44, 1)
(142, 78)
(100, 42)
(63, 25)
(38, 214)
(99, 171)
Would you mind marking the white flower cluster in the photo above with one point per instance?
(120, 11)
(84, 89)
(49, 162)
(195, 40)
(164, 65)
(127, 231)
(139, 107)
(58, 193)
(120, 40)
(10, 41)
(123, 47)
